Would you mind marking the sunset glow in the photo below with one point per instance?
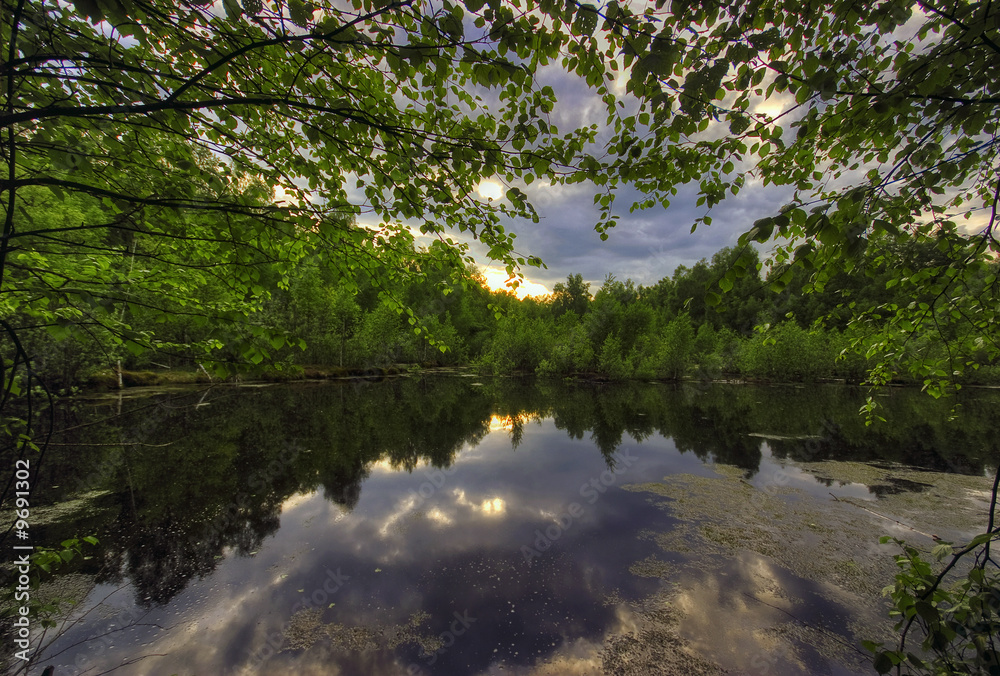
(496, 280)
(490, 190)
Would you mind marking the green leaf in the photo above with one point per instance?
(134, 347)
(233, 9)
(60, 331)
(871, 646)
(883, 663)
(586, 20)
(927, 611)
(299, 12)
(941, 551)
(981, 539)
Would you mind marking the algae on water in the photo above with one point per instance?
(307, 628)
(654, 647)
(735, 539)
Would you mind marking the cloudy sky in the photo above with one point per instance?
(646, 245)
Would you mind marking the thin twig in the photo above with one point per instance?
(887, 518)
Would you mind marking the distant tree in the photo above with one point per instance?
(273, 117)
(691, 286)
(573, 296)
(624, 292)
(741, 306)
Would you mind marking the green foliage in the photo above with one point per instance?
(671, 349)
(886, 147)
(44, 563)
(705, 340)
(50, 560)
(573, 296)
(518, 345)
(572, 352)
(67, 362)
(448, 348)
(546, 369)
(159, 213)
(851, 364)
(318, 309)
(613, 362)
(326, 318)
(676, 347)
(377, 342)
(785, 352)
(957, 619)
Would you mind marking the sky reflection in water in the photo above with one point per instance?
(436, 527)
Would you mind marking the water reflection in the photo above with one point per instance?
(346, 528)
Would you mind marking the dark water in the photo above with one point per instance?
(445, 525)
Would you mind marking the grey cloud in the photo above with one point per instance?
(646, 245)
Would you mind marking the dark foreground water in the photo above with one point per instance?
(456, 525)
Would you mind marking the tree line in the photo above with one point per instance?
(198, 189)
(774, 323)
(777, 323)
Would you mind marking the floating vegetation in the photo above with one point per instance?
(652, 567)
(654, 648)
(307, 628)
(64, 591)
(728, 526)
(951, 506)
(80, 507)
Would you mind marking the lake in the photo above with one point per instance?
(452, 524)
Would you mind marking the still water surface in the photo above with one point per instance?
(455, 525)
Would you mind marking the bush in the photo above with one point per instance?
(676, 347)
(785, 351)
(518, 345)
(546, 369)
(377, 342)
(983, 375)
(62, 363)
(705, 340)
(612, 363)
(850, 362)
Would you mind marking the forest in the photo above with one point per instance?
(264, 203)
(246, 189)
(777, 323)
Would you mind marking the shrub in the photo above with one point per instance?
(61, 363)
(612, 363)
(546, 369)
(517, 345)
(785, 351)
(850, 361)
(676, 347)
(377, 342)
